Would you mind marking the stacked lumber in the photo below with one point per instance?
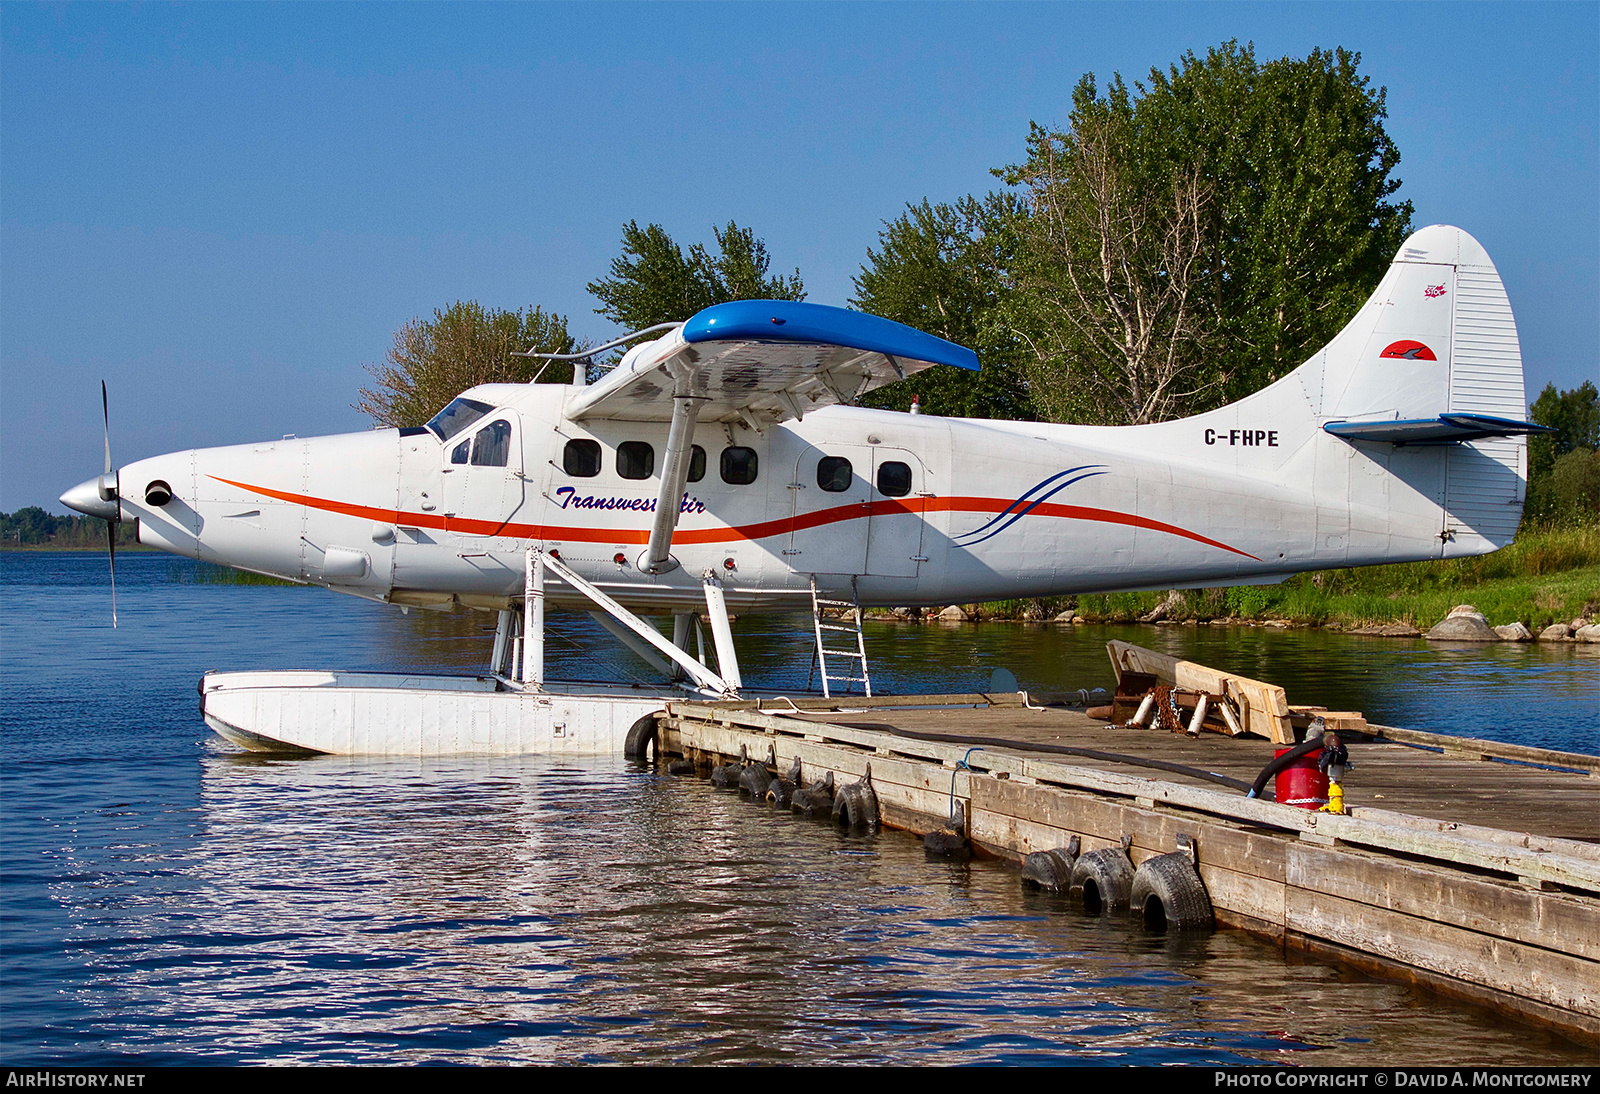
(1263, 708)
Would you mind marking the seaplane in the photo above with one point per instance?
(723, 465)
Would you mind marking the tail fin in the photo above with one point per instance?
(1443, 298)
(1422, 390)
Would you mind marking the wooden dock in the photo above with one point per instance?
(1467, 866)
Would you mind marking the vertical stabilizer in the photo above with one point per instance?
(1443, 341)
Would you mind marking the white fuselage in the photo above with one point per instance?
(975, 510)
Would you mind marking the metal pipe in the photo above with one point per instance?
(613, 344)
(682, 626)
(533, 619)
(721, 632)
(674, 476)
(502, 636)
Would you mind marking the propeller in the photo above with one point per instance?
(115, 488)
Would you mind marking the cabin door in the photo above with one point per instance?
(832, 489)
(899, 496)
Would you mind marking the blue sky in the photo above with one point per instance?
(226, 210)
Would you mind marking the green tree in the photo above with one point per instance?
(434, 360)
(656, 281)
(1204, 233)
(944, 269)
(1574, 415)
(1112, 277)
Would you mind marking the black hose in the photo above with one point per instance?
(1304, 748)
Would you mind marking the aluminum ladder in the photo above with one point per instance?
(823, 629)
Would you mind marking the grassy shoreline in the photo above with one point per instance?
(1546, 576)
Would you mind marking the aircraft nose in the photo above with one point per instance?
(89, 499)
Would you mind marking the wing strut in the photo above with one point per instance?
(674, 477)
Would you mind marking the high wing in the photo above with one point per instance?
(759, 362)
(763, 362)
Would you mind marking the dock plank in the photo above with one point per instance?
(1551, 921)
(1555, 979)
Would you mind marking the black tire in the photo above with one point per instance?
(754, 780)
(946, 843)
(1102, 880)
(856, 806)
(1048, 870)
(641, 738)
(1167, 892)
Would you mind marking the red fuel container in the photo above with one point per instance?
(1301, 784)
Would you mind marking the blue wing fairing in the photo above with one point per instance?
(818, 324)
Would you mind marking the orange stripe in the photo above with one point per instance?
(763, 530)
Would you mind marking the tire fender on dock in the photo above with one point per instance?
(856, 805)
(1103, 880)
(1167, 892)
(1052, 870)
(641, 737)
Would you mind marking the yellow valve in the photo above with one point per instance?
(1335, 799)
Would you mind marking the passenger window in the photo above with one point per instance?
(492, 446)
(697, 464)
(581, 459)
(635, 460)
(461, 451)
(739, 466)
(894, 479)
(834, 474)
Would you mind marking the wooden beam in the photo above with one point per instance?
(1265, 706)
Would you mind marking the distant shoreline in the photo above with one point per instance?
(1547, 577)
(51, 547)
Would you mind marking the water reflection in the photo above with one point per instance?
(171, 902)
(535, 911)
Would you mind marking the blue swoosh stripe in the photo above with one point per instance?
(1027, 494)
(1014, 517)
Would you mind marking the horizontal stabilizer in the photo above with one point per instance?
(1445, 429)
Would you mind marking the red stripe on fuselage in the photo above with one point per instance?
(762, 530)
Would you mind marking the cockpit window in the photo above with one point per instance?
(457, 416)
(492, 446)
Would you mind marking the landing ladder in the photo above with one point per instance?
(823, 629)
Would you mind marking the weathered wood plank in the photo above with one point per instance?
(1526, 840)
(1496, 749)
(1559, 980)
(1552, 921)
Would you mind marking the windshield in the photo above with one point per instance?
(457, 416)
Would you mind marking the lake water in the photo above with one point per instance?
(164, 899)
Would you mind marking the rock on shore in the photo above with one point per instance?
(1464, 624)
(1387, 630)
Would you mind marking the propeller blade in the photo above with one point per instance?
(111, 525)
(111, 547)
(105, 407)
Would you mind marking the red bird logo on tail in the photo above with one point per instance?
(1409, 351)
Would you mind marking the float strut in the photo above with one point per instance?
(533, 620)
(721, 632)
